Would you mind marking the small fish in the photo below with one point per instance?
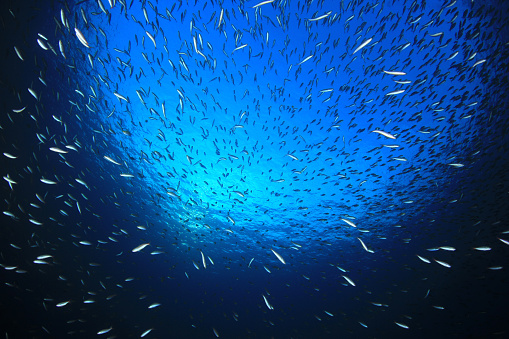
(394, 72)
(269, 306)
(364, 246)
(479, 62)
(482, 248)
(349, 222)
(151, 38)
(57, 150)
(203, 260)
(350, 281)
(146, 332)
(385, 134)
(278, 256)
(504, 241)
(41, 262)
(64, 303)
(140, 247)
(240, 47)
(81, 38)
(306, 59)
(10, 156)
(111, 160)
(260, 4)
(447, 248)
(104, 331)
(395, 92)
(48, 182)
(321, 16)
(18, 53)
(362, 45)
(443, 263)
(402, 325)
(427, 261)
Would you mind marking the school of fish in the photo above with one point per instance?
(254, 169)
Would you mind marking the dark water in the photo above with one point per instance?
(221, 134)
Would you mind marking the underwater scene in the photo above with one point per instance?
(254, 169)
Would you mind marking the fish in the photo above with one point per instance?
(18, 53)
(479, 62)
(10, 156)
(33, 93)
(111, 160)
(350, 281)
(269, 306)
(443, 263)
(394, 72)
(120, 97)
(395, 92)
(349, 222)
(9, 180)
(63, 303)
(402, 325)
(385, 134)
(151, 38)
(305, 59)
(504, 241)
(81, 37)
(140, 247)
(220, 18)
(240, 47)
(262, 3)
(57, 150)
(203, 260)
(42, 262)
(427, 261)
(322, 17)
(361, 46)
(48, 182)
(104, 331)
(364, 246)
(278, 256)
(146, 332)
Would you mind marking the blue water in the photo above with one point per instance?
(242, 132)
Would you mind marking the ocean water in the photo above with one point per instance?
(284, 169)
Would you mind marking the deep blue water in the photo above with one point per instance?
(223, 133)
